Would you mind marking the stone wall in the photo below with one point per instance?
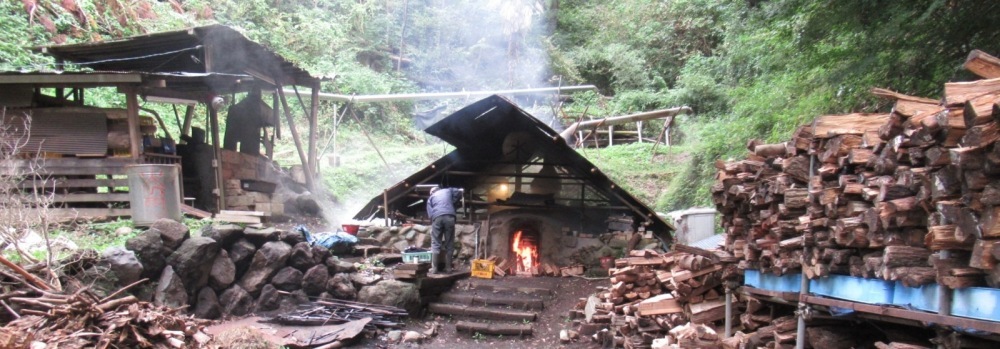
(226, 270)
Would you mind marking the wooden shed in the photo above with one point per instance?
(85, 148)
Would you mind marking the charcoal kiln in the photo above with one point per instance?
(537, 200)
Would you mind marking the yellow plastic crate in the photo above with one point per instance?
(482, 268)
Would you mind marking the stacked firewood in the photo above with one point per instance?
(82, 320)
(652, 293)
(876, 195)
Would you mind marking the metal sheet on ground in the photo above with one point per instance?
(295, 336)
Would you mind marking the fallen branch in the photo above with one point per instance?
(27, 276)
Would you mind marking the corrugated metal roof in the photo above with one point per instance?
(207, 49)
(478, 133)
(709, 243)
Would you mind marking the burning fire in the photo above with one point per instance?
(526, 254)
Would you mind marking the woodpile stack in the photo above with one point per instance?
(887, 192)
(51, 319)
(652, 294)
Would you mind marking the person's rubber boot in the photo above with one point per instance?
(435, 265)
(447, 263)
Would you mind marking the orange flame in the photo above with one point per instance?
(527, 254)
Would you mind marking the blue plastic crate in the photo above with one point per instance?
(977, 302)
(922, 298)
(871, 291)
(771, 282)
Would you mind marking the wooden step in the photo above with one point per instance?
(481, 312)
(479, 286)
(494, 328)
(479, 298)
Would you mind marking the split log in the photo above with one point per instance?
(481, 312)
(493, 328)
(957, 93)
(983, 64)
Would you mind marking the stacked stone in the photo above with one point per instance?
(233, 271)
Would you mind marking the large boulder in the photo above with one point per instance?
(241, 253)
(393, 292)
(172, 232)
(341, 287)
(287, 279)
(223, 272)
(236, 301)
(265, 263)
(170, 291)
(302, 256)
(314, 281)
(207, 304)
(261, 235)
(320, 254)
(148, 248)
(291, 237)
(365, 279)
(225, 234)
(124, 263)
(193, 261)
(339, 266)
(308, 205)
(269, 298)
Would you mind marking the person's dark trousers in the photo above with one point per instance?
(442, 242)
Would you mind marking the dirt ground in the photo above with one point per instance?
(567, 292)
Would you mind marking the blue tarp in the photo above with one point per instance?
(336, 242)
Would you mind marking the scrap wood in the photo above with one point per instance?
(82, 320)
(27, 276)
(333, 311)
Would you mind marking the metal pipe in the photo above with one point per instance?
(944, 293)
(800, 333)
(617, 120)
(444, 95)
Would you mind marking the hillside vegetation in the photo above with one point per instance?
(749, 68)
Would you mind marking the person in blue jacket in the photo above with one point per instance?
(441, 211)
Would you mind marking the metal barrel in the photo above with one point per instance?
(154, 192)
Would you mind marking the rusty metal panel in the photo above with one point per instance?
(60, 133)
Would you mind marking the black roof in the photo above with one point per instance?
(207, 49)
(479, 132)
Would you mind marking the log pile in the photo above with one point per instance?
(50, 319)
(652, 293)
(888, 191)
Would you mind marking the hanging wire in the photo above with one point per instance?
(35, 66)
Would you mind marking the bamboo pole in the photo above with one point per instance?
(313, 117)
(444, 95)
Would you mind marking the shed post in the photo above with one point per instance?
(213, 118)
(135, 140)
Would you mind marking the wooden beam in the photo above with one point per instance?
(132, 103)
(298, 141)
(960, 322)
(91, 197)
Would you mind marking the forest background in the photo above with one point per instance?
(748, 68)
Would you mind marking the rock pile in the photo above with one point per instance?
(226, 270)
